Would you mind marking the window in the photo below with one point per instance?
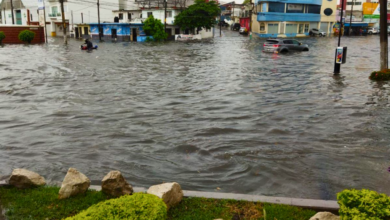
(273, 28)
(262, 27)
(306, 28)
(295, 42)
(349, 3)
(150, 14)
(30, 17)
(300, 29)
(288, 42)
(328, 11)
(54, 10)
(120, 16)
(295, 8)
(177, 30)
(129, 16)
(276, 7)
(169, 14)
(314, 9)
(358, 3)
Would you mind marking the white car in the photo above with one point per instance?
(243, 30)
(372, 31)
(315, 31)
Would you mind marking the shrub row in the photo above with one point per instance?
(25, 36)
(380, 75)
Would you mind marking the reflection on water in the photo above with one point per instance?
(213, 114)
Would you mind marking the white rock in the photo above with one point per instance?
(22, 178)
(115, 185)
(74, 183)
(170, 193)
(325, 216)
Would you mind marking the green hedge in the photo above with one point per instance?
(380, 75)
(26, 36)
(363, 204)
(2, 36)
(138, 206)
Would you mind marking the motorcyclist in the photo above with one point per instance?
(89, 44)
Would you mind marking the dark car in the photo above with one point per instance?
(235, 27)
(223, 24)
(284, 46)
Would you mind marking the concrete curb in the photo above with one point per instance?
(322, 205)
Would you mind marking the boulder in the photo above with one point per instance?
(115, 185)
(170, 193)
(74, 183)
(325, 216)
(22, 178)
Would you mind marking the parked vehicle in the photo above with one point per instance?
(243, 30)
(315, 32)
(223, 24)
(284, 46)
(235, 27)
(372, 31)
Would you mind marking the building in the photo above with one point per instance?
(24, 12)
(75, 13)
(117, 31)
(328, 15)
(290, 18)
(82, 31)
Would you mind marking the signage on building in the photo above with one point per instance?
(41, 5)
(41, 17)
(295, 7)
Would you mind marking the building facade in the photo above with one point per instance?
(23, 13)
(290, 18)
(328, 15)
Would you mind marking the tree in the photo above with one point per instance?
(154, 27)
(202, 14)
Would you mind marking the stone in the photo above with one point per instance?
(74, 183)
(170, 193)
(115, 185)
(325, 216)
(22, 179)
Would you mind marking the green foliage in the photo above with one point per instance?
(149, 39)
(273, 211)
(2, 36)
(154, 27)
(139, 206)
(202, 14)
(363, 204)
(43, 203)
(380, 75)
(26, 36)
(246, 2)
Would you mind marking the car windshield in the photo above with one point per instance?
(272, 41)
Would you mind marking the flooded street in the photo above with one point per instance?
(210, 114)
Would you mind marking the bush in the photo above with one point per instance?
(154, 27)
(380, 75)
(363, 204)
(26, 36)
(2, 36)
(139, 206)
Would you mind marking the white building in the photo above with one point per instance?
(24, 12)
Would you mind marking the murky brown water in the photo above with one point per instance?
(213, 114)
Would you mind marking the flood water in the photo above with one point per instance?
(218, 113)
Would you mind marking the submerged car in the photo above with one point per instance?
(235, 27)
(315, 32)
(284, 46)
(243, 30)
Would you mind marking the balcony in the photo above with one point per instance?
(53, 15)
(308, 2)
(278, 16)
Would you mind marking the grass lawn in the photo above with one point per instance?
(43, 203)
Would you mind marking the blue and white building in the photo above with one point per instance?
(286, 18)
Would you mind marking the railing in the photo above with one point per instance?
(58, 14)
(52, 15)
(55, 15)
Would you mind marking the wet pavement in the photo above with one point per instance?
(217, 113)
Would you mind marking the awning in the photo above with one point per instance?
(356, 24)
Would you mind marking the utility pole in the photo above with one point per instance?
(82, 19)
(220, 23)
(100, 35)
(250, 20)
(44, 18)
(165, 16)
(71, 14)
(12, 12)
(338, 65)
(383, 35)
(63, 22)
(350, 20)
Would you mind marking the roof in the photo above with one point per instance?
(19, 4)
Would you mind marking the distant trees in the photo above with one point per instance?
(200, 15)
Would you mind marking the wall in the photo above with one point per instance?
(12, 32)
(330, 5)
(206, 33)
(159, 14)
